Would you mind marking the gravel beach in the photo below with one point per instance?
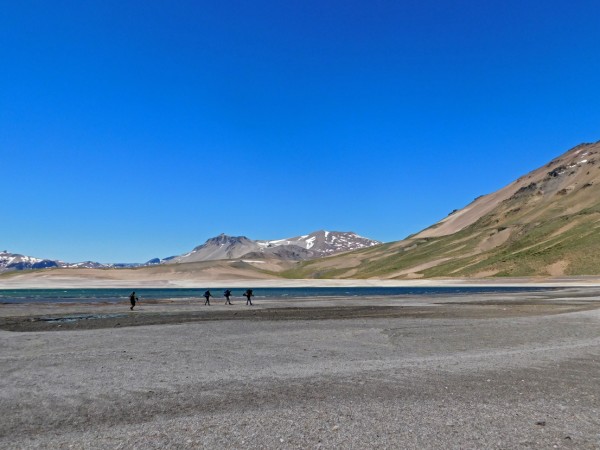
(484, 371)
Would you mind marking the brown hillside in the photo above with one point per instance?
(547, 222)
(567, 172)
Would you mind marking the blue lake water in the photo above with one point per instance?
(120, 295)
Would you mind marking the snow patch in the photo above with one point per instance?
(278, 242)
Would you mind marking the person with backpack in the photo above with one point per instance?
(227, 294)
(207, 296)
(248, 294)
(133, 298)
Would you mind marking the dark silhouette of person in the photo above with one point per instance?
(133, 298)
(248, 294)
(227, 294)
(207, 296)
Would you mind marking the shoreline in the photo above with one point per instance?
(73, 315)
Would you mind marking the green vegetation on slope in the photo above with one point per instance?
(573, 242)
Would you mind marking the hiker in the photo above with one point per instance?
(133, 298)
(227, 294)
(248, 294)
(207, 296)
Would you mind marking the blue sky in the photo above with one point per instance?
(138, 129)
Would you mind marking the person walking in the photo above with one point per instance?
(132, 299)
(227, 294)
(207, 296)
(248, 294)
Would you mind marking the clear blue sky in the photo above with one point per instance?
(138, 129)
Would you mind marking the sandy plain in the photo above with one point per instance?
(484, 371)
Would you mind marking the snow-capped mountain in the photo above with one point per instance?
(308, 246)
(323, 243)
(83, 265)
(15, 261)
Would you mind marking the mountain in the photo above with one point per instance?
(309, 246)
(321, 243)
(15, 261)
(546, 223)
(222, 247)
(83, 265)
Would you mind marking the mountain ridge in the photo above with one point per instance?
(545, 223)
(221, 247)
(309, 246)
